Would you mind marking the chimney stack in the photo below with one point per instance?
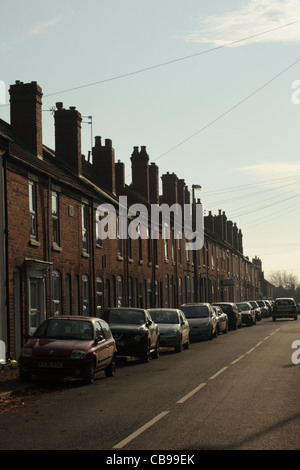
(26, 115)
(104, 163)
(169, 188)
(154, 183)
(68, 137)
(140, 171)
(120, 175)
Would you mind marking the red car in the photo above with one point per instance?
(69, 347)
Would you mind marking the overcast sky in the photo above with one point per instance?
(211, 88)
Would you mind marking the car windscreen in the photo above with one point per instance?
(243, 306)
(65, 329)
(125, 317)
(164, 316)
(195, 311)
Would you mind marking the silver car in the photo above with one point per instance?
(222, 325)
(202, 320)
(173, 327)
(248, 313)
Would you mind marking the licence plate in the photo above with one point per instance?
(50, 364)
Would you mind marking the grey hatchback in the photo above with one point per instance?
(202, 320)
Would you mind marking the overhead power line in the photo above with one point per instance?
(229, 110)
(164, 64)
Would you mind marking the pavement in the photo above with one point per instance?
(9, 379)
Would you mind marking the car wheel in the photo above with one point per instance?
(155, 353)
(179, 347)
(111, 369)
(145, 357)
(89, 378)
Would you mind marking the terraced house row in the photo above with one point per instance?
(53, 258)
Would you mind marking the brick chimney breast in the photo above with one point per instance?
(104, 164)
(68, 137)
(26, 115)
(140, 171)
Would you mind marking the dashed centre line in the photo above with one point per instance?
(150, 423)
(139, 431)
(218, 373)
(195, 390)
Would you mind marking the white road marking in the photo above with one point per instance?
(186, 397)
(218, 373)
(238, 359)
(139, 431)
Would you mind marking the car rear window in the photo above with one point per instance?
(193, 311)
(284, 302)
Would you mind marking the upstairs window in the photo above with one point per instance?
(55, 219)
(32, 210)
(84, 227)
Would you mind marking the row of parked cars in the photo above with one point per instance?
(78, 346)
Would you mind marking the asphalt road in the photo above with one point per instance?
(238, 391)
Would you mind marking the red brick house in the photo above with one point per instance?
(52, 259)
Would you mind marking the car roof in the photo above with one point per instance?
(75, 317)
(195, 304)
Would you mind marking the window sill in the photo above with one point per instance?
(85, 254)
(56, 248)
(34, 243)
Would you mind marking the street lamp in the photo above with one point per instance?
(195, 187)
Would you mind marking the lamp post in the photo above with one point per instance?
(195, 256)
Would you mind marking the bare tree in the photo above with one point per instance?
(286, 284)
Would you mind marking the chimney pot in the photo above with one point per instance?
(98, 141)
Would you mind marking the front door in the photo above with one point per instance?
(36, 302)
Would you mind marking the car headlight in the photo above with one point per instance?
(26, 352)
(78, 354)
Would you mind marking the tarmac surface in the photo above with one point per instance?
(9, 380)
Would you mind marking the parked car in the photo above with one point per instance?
(248, 313)
(234, 316)
(269, 306)
(202, 320)
(135, 332)
(222, 325)
(69, 347)
(264, 308)
(174, 329)
(257, 309)
(285, 307)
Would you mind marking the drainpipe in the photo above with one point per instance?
(49, 247)
(93, 260)
(8, 346)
